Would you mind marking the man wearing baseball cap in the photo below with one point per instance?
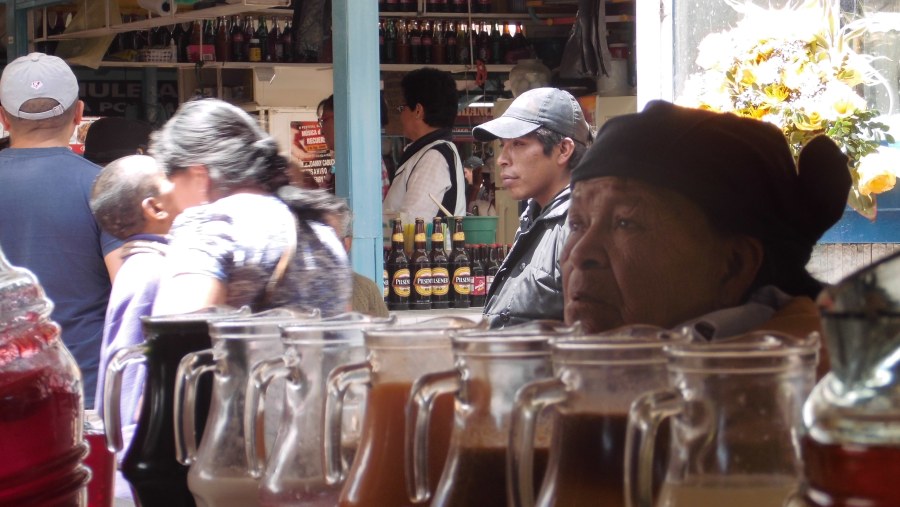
(543, 135)
(46, 223)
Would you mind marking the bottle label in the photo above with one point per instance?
(462, 280)
(459, 236)
(419, 237)
(400, 283)
(478, 286)
(422, 282)
(387, 283)
(437, 238)
(397, 237)
(254, 55)
(440, 282)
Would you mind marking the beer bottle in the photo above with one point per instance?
(438, 48)
(403, 51)
(440, 277)
(506, 44)
(249, 32)
(420, 270)
(262, 33)
(478, 277)
(276, 51)
(427, 40)
(287, 42)
(223, 44)
(491, 268)
(451, 48)
(415, 42)
(496, 44)
(459, 267)
(237, 40)
(398, 270)
(390, 41)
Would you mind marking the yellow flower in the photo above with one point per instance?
(810, 122)
(878, 171)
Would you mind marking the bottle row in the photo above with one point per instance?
(449, 42)
(478, 6)
(432, 278)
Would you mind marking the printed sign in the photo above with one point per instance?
(309, 151)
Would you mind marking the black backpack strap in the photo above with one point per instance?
(449, 200)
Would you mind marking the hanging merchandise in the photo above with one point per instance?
(308, 28)
(586, 53)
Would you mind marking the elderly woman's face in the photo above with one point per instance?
(639, 254)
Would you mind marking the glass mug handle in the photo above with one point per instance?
(339, 381)
(647, 412)
(531, 400)
(192, 366)
(418, 418)
(112, 392)
(261, 375)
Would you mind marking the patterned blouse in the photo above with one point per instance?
(239, 240)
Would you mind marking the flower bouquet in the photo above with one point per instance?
(795, 67)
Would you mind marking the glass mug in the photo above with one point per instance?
(396, 358)
(735, 413)
(293, 474)
(596, 378)
(219, 475)
(491, 366)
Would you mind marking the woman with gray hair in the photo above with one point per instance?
(240, 244)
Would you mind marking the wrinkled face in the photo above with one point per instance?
(639, 254)
(526, 172)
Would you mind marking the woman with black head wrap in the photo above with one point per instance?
(240, 244)
(688, 217)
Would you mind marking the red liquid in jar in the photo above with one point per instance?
(847, 475)
(102, 463)
(40, 441)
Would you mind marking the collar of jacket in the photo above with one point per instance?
(413, 148)
(557, 207)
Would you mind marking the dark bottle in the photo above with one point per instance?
(439, 45)
(506, 44)
(483, 44)
(427, 39)
(390, 41)
(249, 33)
(462, 42)
(496, 44)
(482, 5)
(398, 270)
(179, 37)
(236, 37)
(223, 44)
(479, 289)
(254, 50)
(403, 50)
(519, 41)
(391, 5)
(433, 5)
(276, 52)
(440, 277)
(460, 268)
(450, 40)
(407, 5)
(262, 33)
(415, 42)
(209, 32)
(381, 5)
(381, 41)
(420, 271)
(287, 42)
(459, 5)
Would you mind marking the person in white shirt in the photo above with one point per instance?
(430, 169)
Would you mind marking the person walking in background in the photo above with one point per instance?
(244, 246)
(430, 168)
(334, 211)
(111, 138)
(132, 200)
(46, 223)
(543, 136)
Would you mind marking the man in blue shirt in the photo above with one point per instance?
(46, 223)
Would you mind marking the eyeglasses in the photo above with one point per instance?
(401, 108)
(325, 118)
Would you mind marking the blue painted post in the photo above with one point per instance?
(358, 127)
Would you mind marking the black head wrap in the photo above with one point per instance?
(739, 171)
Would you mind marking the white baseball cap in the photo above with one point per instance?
(37, 76)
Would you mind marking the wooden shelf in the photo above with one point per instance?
(388, 67)
(178, 17)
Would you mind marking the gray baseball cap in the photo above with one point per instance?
(37, 76)
(552, 108)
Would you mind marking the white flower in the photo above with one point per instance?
(878, 170)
